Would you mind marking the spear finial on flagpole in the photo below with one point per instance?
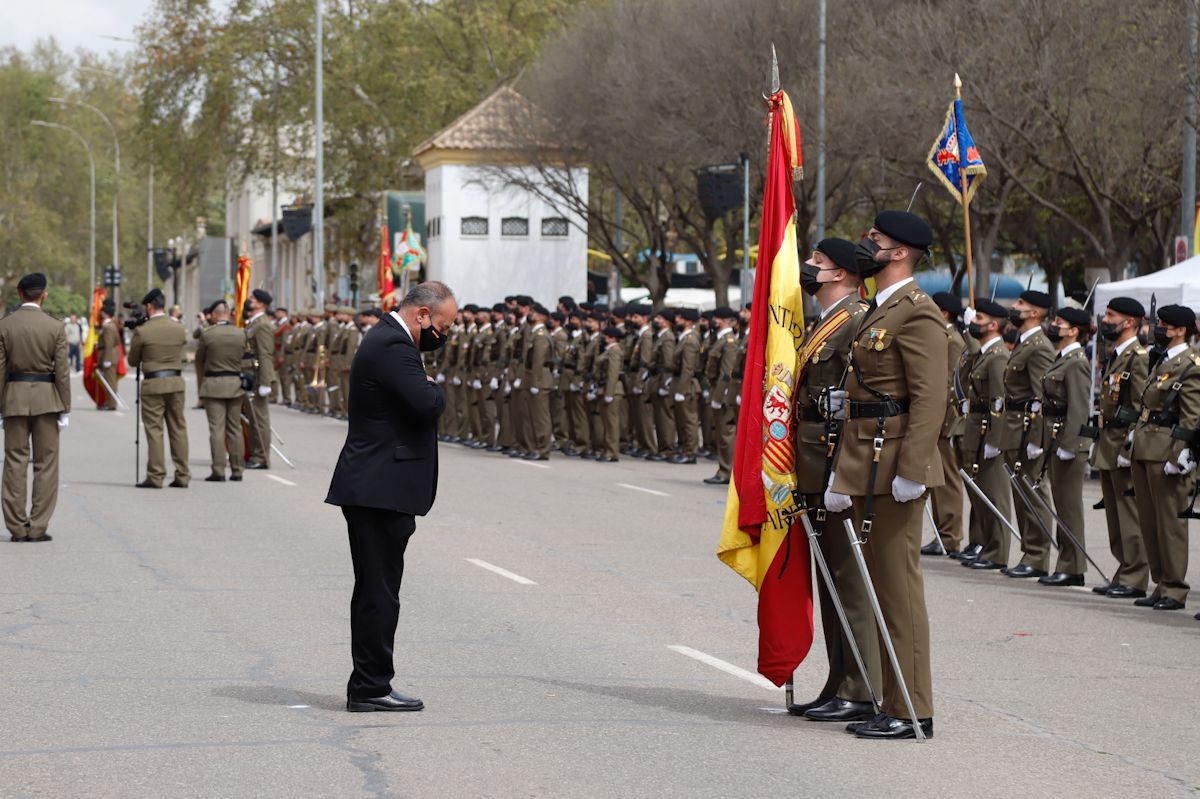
(966, 202)
(773, 74)
(957, 86)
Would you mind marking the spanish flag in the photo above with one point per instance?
(241, 290)
(757, 539)
(91, 385)
(387, 286)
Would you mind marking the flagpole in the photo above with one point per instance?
(966, 205)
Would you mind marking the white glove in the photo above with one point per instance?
(705, 393)
(905, 490)
(679, 397)
(534, 390)
(966, 407)
(607, 399)
(591, 395)
(441, 378)
(1129, 438)
(1064, 455)
(264, 391)
(1033, 452)
(1035, 406)
(989, 452)
(64, 419)
(835, 502)
(968, 315)
(637, 390)
(662, 392)
(1123, 462)
(1187, 464)
(1171, 468)
(716, 406)
(456, 381)
(517, 383)
(493, 384)
(738, 399)
(573, 387)
(835, 403)
(507, 388)
(106, 365)
(476, 384)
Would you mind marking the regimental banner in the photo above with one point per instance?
(757, 538)
(954, 154)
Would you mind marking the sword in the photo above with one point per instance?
(111, 391)
(936, 535)
(1064, 528)
(971, 484)
(1019, 492)
(274, 448)
(884, 633)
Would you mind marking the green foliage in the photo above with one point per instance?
(61, 303)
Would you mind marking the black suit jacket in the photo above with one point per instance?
(389, 460)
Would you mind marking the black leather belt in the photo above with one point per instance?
(980, 406)
(30, 377)
(876, 410)
(221, 373)
(162, 373)
(1018, 404)
(810, 413)
(1054, 410)
(1161, 419)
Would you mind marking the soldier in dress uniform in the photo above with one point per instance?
(283, 325)
(1066, 406)
(484, 356)
(894, 404)
(334, 361)
(1121, 386)
(260, 359)
(35, 404)
(518, 409)
(351, 338)
(983, 435)
(708, 429)
(658, 389)
(108, 352)
(560, 340)
(947, 499)
(685, 386)
(219, 357)
(1165, 443)
(721, 360)
(572, 378)
(157, 347)
(539, 382)
(831, 276)
(590, 365)
(637, 374)
(609, 390)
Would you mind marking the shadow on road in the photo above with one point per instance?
(274, 695)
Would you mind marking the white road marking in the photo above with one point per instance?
(728, 668)
(297, 707)
(278, 479)
(646, 490)
(516, 578)
(119, 414)
(533, 463)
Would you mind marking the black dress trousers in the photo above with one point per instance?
(378, 539)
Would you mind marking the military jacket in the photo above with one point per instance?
(1170, 409)
(33, 342)
(1066, 389)
(662, 367)
(221, 349)
(984, 401)
(953, 424)
(157, 345)
(1027, 365)
(608, 372)
(684, 367)
(260, 344)
(538, 360)
(1121, 384)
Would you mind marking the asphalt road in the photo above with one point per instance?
(196, 643)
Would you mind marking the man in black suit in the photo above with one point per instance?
(386, 476)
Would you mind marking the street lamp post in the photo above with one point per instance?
(92, 166)
(319, 168)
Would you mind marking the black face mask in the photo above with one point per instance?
(975, 330)
(1054, 333)
(1110, 331)
(1161, 339)
(864, 255)
(1015, 317)
(808, 279)
(430, 339)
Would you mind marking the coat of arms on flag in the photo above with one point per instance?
(954, 155)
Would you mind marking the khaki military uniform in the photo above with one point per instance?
(609, 393)
(485, 357)
(1066, 390)
(282, 328)
(560, 341)
(350, 341)
(1121, 386)
(260, 358)
(983, 409)
(814, 462)
(1027, 365)
(685, 387)
(518, 406)
(723, 401)
(35, 388)
(659, 390)
(335, 359)
(899, 352)
(571, 383)
(219, 357)
(590, 365)
(157, 347)
(506, 437)
(108, 351)
(540, 382)
(947, 499)
(708, 426)
(1170, 412)
(641, 413)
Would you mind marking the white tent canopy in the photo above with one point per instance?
(1176, 285)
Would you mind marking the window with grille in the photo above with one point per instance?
(514, 226)
(554, 226)
(474, 226)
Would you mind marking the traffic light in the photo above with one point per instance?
(112, 276)
(353, 277)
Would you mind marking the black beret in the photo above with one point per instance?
(707, 314)
(558, 317)
(600, 316)
(905, 228)
(499, 308)
(152, 295)
(640, 310)
(1038, 299)
(1127, 305)
(621, 311)
(510, 298)
(724, 312)
(746, 306)
(470, 307)
(567, 300)
(690, 314)
(613, 332)
(108, 307)
(376, 312)
(262, 296)
(587, 306)
(540, 309)
(841, 252)
(524, 299)
(991, 308)
(1177, 315)
(600, 307)
(1076, 316)
(667, 313)
(32, 282)
(576, 313)
(947, 302)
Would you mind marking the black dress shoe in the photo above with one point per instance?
(19, 539)
(680, 459)
(177, 483)
(953, 553)
(654, 456)
(215, 478)
(570, 452)
(235, 478)
(1061, 578)
(892, 728)
(1147, 601)
(1124, 592)
(147, 484)
(392, 701)
(48, 537)
(1102, 589)
(495, 448)
(255, 465)
(971, 553)
(591, 456)
(717, 480)
(855, 726)
(1196, 617)
(606, 459)
(801, 709)
(533, 456)
(1024, 570)
(983, 564)
(841, 710)
(1166, 603)
(932, 548)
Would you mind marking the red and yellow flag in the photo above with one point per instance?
(386, 283)
(91, 385)
(241, 290)
(756, 539)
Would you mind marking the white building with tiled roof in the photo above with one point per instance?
(486, 236)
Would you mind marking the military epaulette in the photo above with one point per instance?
(1195, 358)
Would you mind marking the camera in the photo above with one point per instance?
(137, 318)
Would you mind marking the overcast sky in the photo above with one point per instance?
(74, 23)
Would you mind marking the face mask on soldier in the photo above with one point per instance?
(1110, 331)
(1161, 339)
(864, 255)
(975, 330)
(1016, 317)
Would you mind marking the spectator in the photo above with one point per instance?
(74, 342)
